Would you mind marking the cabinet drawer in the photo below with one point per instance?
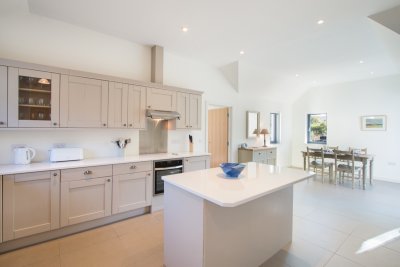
(132, 167)
(259, 156)
(86, 173)
(271, 153)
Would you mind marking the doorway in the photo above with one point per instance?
(218, 133)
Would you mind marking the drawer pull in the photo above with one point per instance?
(132, 167)
(55, 174)
(87, 172)
(108, 180)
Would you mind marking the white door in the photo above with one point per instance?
(161, 99)
(85, 200)
(131, 191)
(196, 163)
(83, 102)
(137, 107)
(118, 105)
(33, 98)
(182, 107)
(3, 97)
(195, 111)
(31, 204)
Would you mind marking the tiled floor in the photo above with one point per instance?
(330, 225)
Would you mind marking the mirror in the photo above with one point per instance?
(252, 124)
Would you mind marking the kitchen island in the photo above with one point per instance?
(210, 220)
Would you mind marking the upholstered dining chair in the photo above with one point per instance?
(346, 167)
(313, 154)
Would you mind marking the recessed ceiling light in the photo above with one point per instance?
(241, 52)
(361, 61)
(184, 29)
(297, 75)
(314, 82)
(321, 21)
(372, 73)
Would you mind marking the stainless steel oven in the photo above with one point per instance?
(164, 168)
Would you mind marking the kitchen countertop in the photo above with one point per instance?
(255, 181)
(48, 166)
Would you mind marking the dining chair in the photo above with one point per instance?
(359, 151)
(313, 154)
(346, 167)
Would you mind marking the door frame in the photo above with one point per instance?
(207, 105)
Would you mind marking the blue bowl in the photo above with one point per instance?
(232, 169)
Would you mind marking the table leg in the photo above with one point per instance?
(304, 162)
(364, 170)
(371, 168)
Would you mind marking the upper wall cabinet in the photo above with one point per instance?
(33, 98)
(118, 105)
(84, 102)
(161, 99)
(189, 107)
(136, 107)
(3, 96)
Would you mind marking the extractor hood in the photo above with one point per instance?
(162, 115)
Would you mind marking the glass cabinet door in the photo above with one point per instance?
(34, 98)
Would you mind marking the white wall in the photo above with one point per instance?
(45, 41)
(345, 104)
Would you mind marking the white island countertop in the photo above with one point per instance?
(49, 166)
(255, 181)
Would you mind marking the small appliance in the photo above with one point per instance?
(65, 154)
(23, 155)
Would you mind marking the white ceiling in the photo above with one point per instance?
(280, 38)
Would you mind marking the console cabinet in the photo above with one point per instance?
(30, 204)
(189, 107)
(266, 155)
(83, 102)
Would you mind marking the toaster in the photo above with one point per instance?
(65, 154)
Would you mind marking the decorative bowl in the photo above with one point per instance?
(232, 169)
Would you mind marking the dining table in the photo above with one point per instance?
(365, 159)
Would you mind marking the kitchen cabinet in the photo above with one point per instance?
(83, 102)
(132, 186)
(161, 99)
(136, 107)
(189, 107)
(33, 98)
(118, 105)
(1, 209)
(85, 194)
(3, 96)
(30, 204)
(266, 155)
(196, 163)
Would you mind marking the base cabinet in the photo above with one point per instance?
(196, 163)
(85, 200)
(132, 186)
(31, 204)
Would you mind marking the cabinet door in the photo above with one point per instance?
(33, 98)
(3, 96)
(1, 209)
(83, 102)
(31, 204)
(161, 99)
(260, 156)
(118, 105)
(196, 163)
(182, 107)
(85, 200)
(131, 191)
(137, 107)
(195, 111)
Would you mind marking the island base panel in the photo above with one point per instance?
(201, 233)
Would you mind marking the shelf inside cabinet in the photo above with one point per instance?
(33, 106)
(35, 90)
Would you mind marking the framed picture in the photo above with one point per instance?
(373, 123)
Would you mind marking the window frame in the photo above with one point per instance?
(308, 129)
(275, 138)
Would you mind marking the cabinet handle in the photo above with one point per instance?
(87, 172)
(130, 125)
(149, 174)
(104, 124)
(108, 180)
(124, 124)
(132, 167)
(55, 174)
(149, 106)
(1, 123)
(54, 123)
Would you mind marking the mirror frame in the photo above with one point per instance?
(249, 132)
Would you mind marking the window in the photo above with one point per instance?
(316, 128)
(275, 134)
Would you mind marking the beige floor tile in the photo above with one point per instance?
(380, 256)
(339, 261)
(54, 261)
(367, 231)
(394, 244)
(333, 220)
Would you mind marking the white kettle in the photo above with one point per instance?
(23, 155)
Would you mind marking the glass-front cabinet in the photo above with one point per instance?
(33, 98)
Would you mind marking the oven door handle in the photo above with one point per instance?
(168, 168)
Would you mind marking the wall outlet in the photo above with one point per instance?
(59, 145)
